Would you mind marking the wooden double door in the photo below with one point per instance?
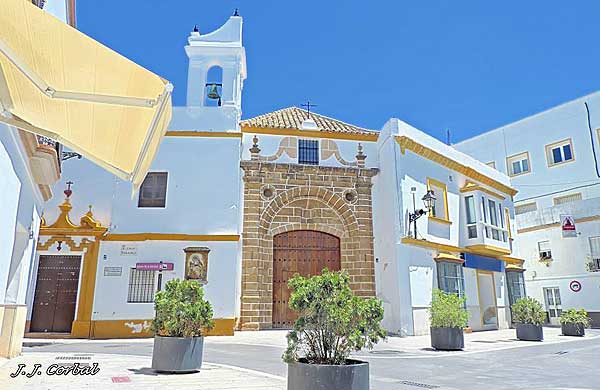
(55, 294)
(304, 252)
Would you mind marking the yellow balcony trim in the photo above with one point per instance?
(169, 237)
(440, 220)
(407, 143)
(488, 250)
(475, 249)
(470, 186)
(310, 133)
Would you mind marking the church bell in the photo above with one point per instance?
(213, 92)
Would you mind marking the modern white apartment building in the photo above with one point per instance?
(552, 159)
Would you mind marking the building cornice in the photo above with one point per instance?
(169, 237)
(407, 143)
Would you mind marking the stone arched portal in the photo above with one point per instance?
(280, 198)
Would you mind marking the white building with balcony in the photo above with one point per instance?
(463, 244)
(552, 159)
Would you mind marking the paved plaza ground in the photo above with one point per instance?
(252, 360)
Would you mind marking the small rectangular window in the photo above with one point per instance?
(595, 254)
(142, 285)
(493, 214)
(440, 193)
(544, 250)
(153, 192)
(308, 151)
(518, 164)
(483, 209)
(567, 199)
(559, 152)
(471, 218)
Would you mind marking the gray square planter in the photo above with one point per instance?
(572, 329)
(530, 332)
(177, 354)
(447, 339)
(351, 376)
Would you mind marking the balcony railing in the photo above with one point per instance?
(594, 264)
(55, 145)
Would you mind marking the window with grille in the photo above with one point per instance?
(308, 151)
(450, 277)
(142, 285)
(567, 199)
(516, 286)
(153, 192)
(525, 208)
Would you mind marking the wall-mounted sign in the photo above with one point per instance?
(567, 223)
(196, 263)
(575, 286)
(160, 266)
(113, 271)
(129, 250)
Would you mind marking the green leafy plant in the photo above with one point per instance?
(528, 311)
(332, 322)
(575, 316)
(447, 310)
(181, 310)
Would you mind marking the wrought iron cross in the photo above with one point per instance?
(308, 105)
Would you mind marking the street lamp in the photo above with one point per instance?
(429, 202)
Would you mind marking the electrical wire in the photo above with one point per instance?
(589, 122)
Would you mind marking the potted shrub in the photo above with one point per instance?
(573, 322)
(448, 317)
(331, 323)
(529, 317)
(182, 316)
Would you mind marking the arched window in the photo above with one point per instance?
(214, 87)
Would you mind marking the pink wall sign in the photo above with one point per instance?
(154, 266)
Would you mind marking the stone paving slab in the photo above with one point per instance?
(126, 372)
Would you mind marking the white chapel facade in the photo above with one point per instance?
(243, 205)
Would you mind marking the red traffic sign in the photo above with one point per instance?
(568, 223)
(575, 286)
(160, 266)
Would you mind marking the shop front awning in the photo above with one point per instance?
(60, 83)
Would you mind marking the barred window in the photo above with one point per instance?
(142, 284)
(153, 192)
(308, 151)
(450, 278)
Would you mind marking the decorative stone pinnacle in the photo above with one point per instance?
(360, 156)
(254, 150)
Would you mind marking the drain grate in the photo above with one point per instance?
(387, 352)
(417, 384)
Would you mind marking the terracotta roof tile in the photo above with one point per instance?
(292, 118)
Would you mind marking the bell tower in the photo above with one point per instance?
(217, 67)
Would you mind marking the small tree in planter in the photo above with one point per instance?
(573, 322)
(448, 317)
(529, 317)
(332, 323)
(182, 316)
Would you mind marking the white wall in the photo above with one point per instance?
(532, 134)
(21, 202)
(110, 300)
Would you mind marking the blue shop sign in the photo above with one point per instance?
(483, 262)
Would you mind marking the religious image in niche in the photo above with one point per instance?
(196, 265)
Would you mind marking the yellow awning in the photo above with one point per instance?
(60, 83)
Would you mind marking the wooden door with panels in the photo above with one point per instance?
(304, 252)
(55, 296)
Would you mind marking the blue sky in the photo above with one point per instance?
(467, 66)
